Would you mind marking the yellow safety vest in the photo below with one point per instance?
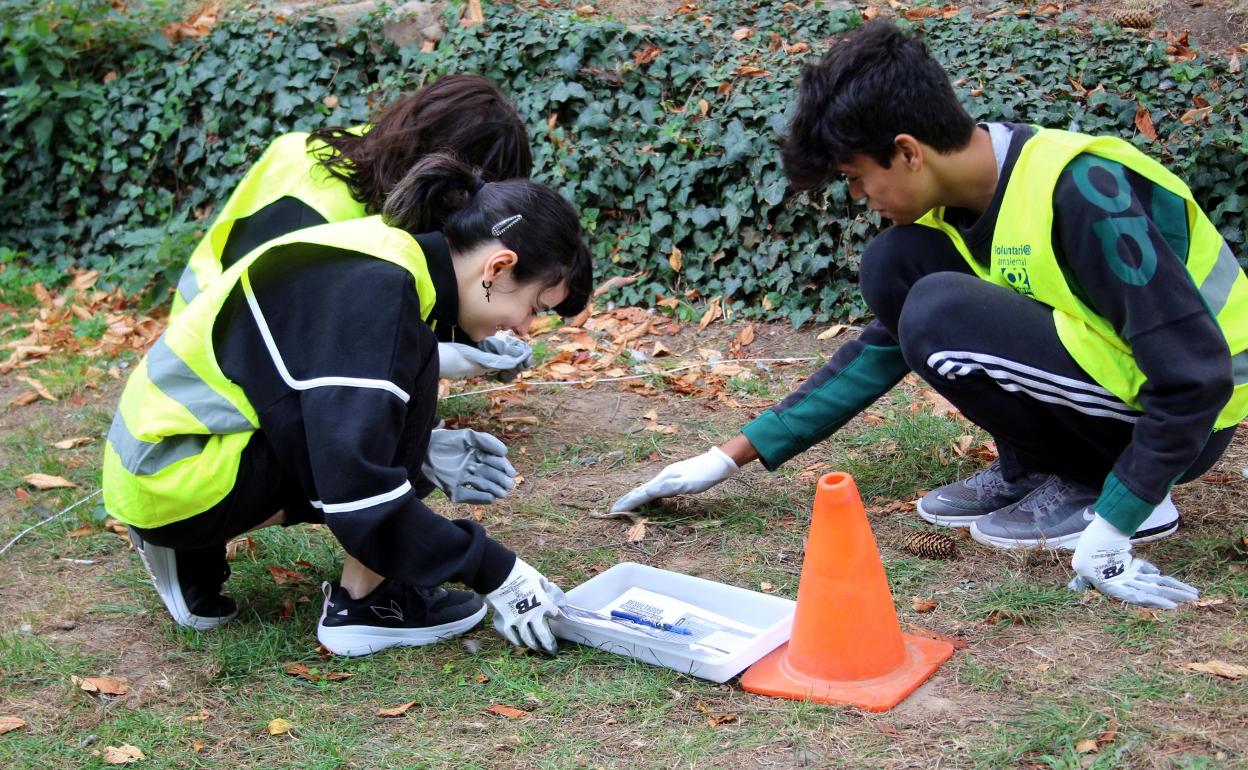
(181, 426)
(289, 167)
(1023, 259)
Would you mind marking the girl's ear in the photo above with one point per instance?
(498, 263)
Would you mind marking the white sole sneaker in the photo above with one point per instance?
(957, 522)
(1162, 522)
(162, 567)
(353, 641)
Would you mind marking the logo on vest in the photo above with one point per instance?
(1011, 264)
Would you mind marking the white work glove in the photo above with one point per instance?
(1103, 561)
(687, 477)
(521, 606)
(502, 356)
(469, 466)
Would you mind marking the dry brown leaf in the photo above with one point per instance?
(121, 755)
(870, 12)
(1086, 746)
(25, 398)
(38, 387)
(766, 587)
(1219, 668)
(279, 726)
(1187, 118)
(396, 711)
(1233, 66)
(284, 575)
(797, 48)
(750, 71)
(958, 642)
(741, 33)
(746, 336)
(511, 712)
(714, 311)
(666, 430)
(922, 605)
(240, 546)
(675, 259)
(21, 494)
(721, 719)
(922, 12)
(653, 414)
(1144, 123)
(637, 532)
(197, 747)
(10, 723)
(643, 56)
(70, 443)
(83, 531)
(106, 685)
(44, 481)
(1048, 9)
(660, 350)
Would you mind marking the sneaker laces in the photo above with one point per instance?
(1050, 496)
(988, 482)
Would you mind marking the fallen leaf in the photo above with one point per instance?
(330, 101)
(11, 723)
(121, 755)
(637, 532)
(396, 711)
(25, 398)
(750, 71)
(666, 430)
(83, 531)
(284, 575)
(653, 414)
(714, 311)
(38, 386)
(741, 33)
(239, 546)
(1219, 668)
(197, 747)
(958, 642)
(44, 481)
(796, 48)
(831, 332)
(481, 679)
(660, 350)
(746, 336)
(643, 56)
(721, 719)
(675, 259)
(1210, 601)
(511, 712)
(1144, 123)
(1049, 9)
(766, 587)
(70, 443)
(1192, 116)
(870, 12)
(105, 685)
(1233, 66)
(921, 12)
(922, 605)
(279, 726)
(1085, 746)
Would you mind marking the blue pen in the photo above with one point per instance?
(639, 620)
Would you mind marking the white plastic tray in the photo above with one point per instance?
(771, 613)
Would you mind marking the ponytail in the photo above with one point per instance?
(531, 219)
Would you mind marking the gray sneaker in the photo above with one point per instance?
(963, 502)
(189, 582)
(1055, 515)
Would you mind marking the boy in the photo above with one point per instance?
(1063, 291)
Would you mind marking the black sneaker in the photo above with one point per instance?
(394, 614)
(963, 502)
(189, 582)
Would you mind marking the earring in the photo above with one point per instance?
(486, 285)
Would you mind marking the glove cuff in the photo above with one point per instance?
(730, 467)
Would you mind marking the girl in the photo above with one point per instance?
(300, 386)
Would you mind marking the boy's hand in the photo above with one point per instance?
(501, 356)
(1103, 561)
(686, 477)
(469, 466)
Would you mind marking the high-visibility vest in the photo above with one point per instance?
(289, 167)
(181, 426)
(1023, 258)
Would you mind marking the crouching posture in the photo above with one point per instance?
(1064, 291)
(300, 386)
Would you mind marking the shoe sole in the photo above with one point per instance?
(353, 641)
(1068, 542)
(162, 567)
(957, 522)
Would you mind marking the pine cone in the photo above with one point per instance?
(1134, 19)
(931, 545)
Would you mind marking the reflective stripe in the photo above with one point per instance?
(143, 458)
(315, 382)
(368, 502)
(1216, 287)
(178, 381)
(188, 285)
(1239, 368)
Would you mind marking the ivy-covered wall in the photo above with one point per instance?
(115, 147)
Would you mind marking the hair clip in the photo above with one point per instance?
(504, 225)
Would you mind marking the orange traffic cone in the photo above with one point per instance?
(846, 646)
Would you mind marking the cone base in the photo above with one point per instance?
(772, 676)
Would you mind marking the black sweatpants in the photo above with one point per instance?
(995, 354)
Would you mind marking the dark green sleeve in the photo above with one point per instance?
(859, 373)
